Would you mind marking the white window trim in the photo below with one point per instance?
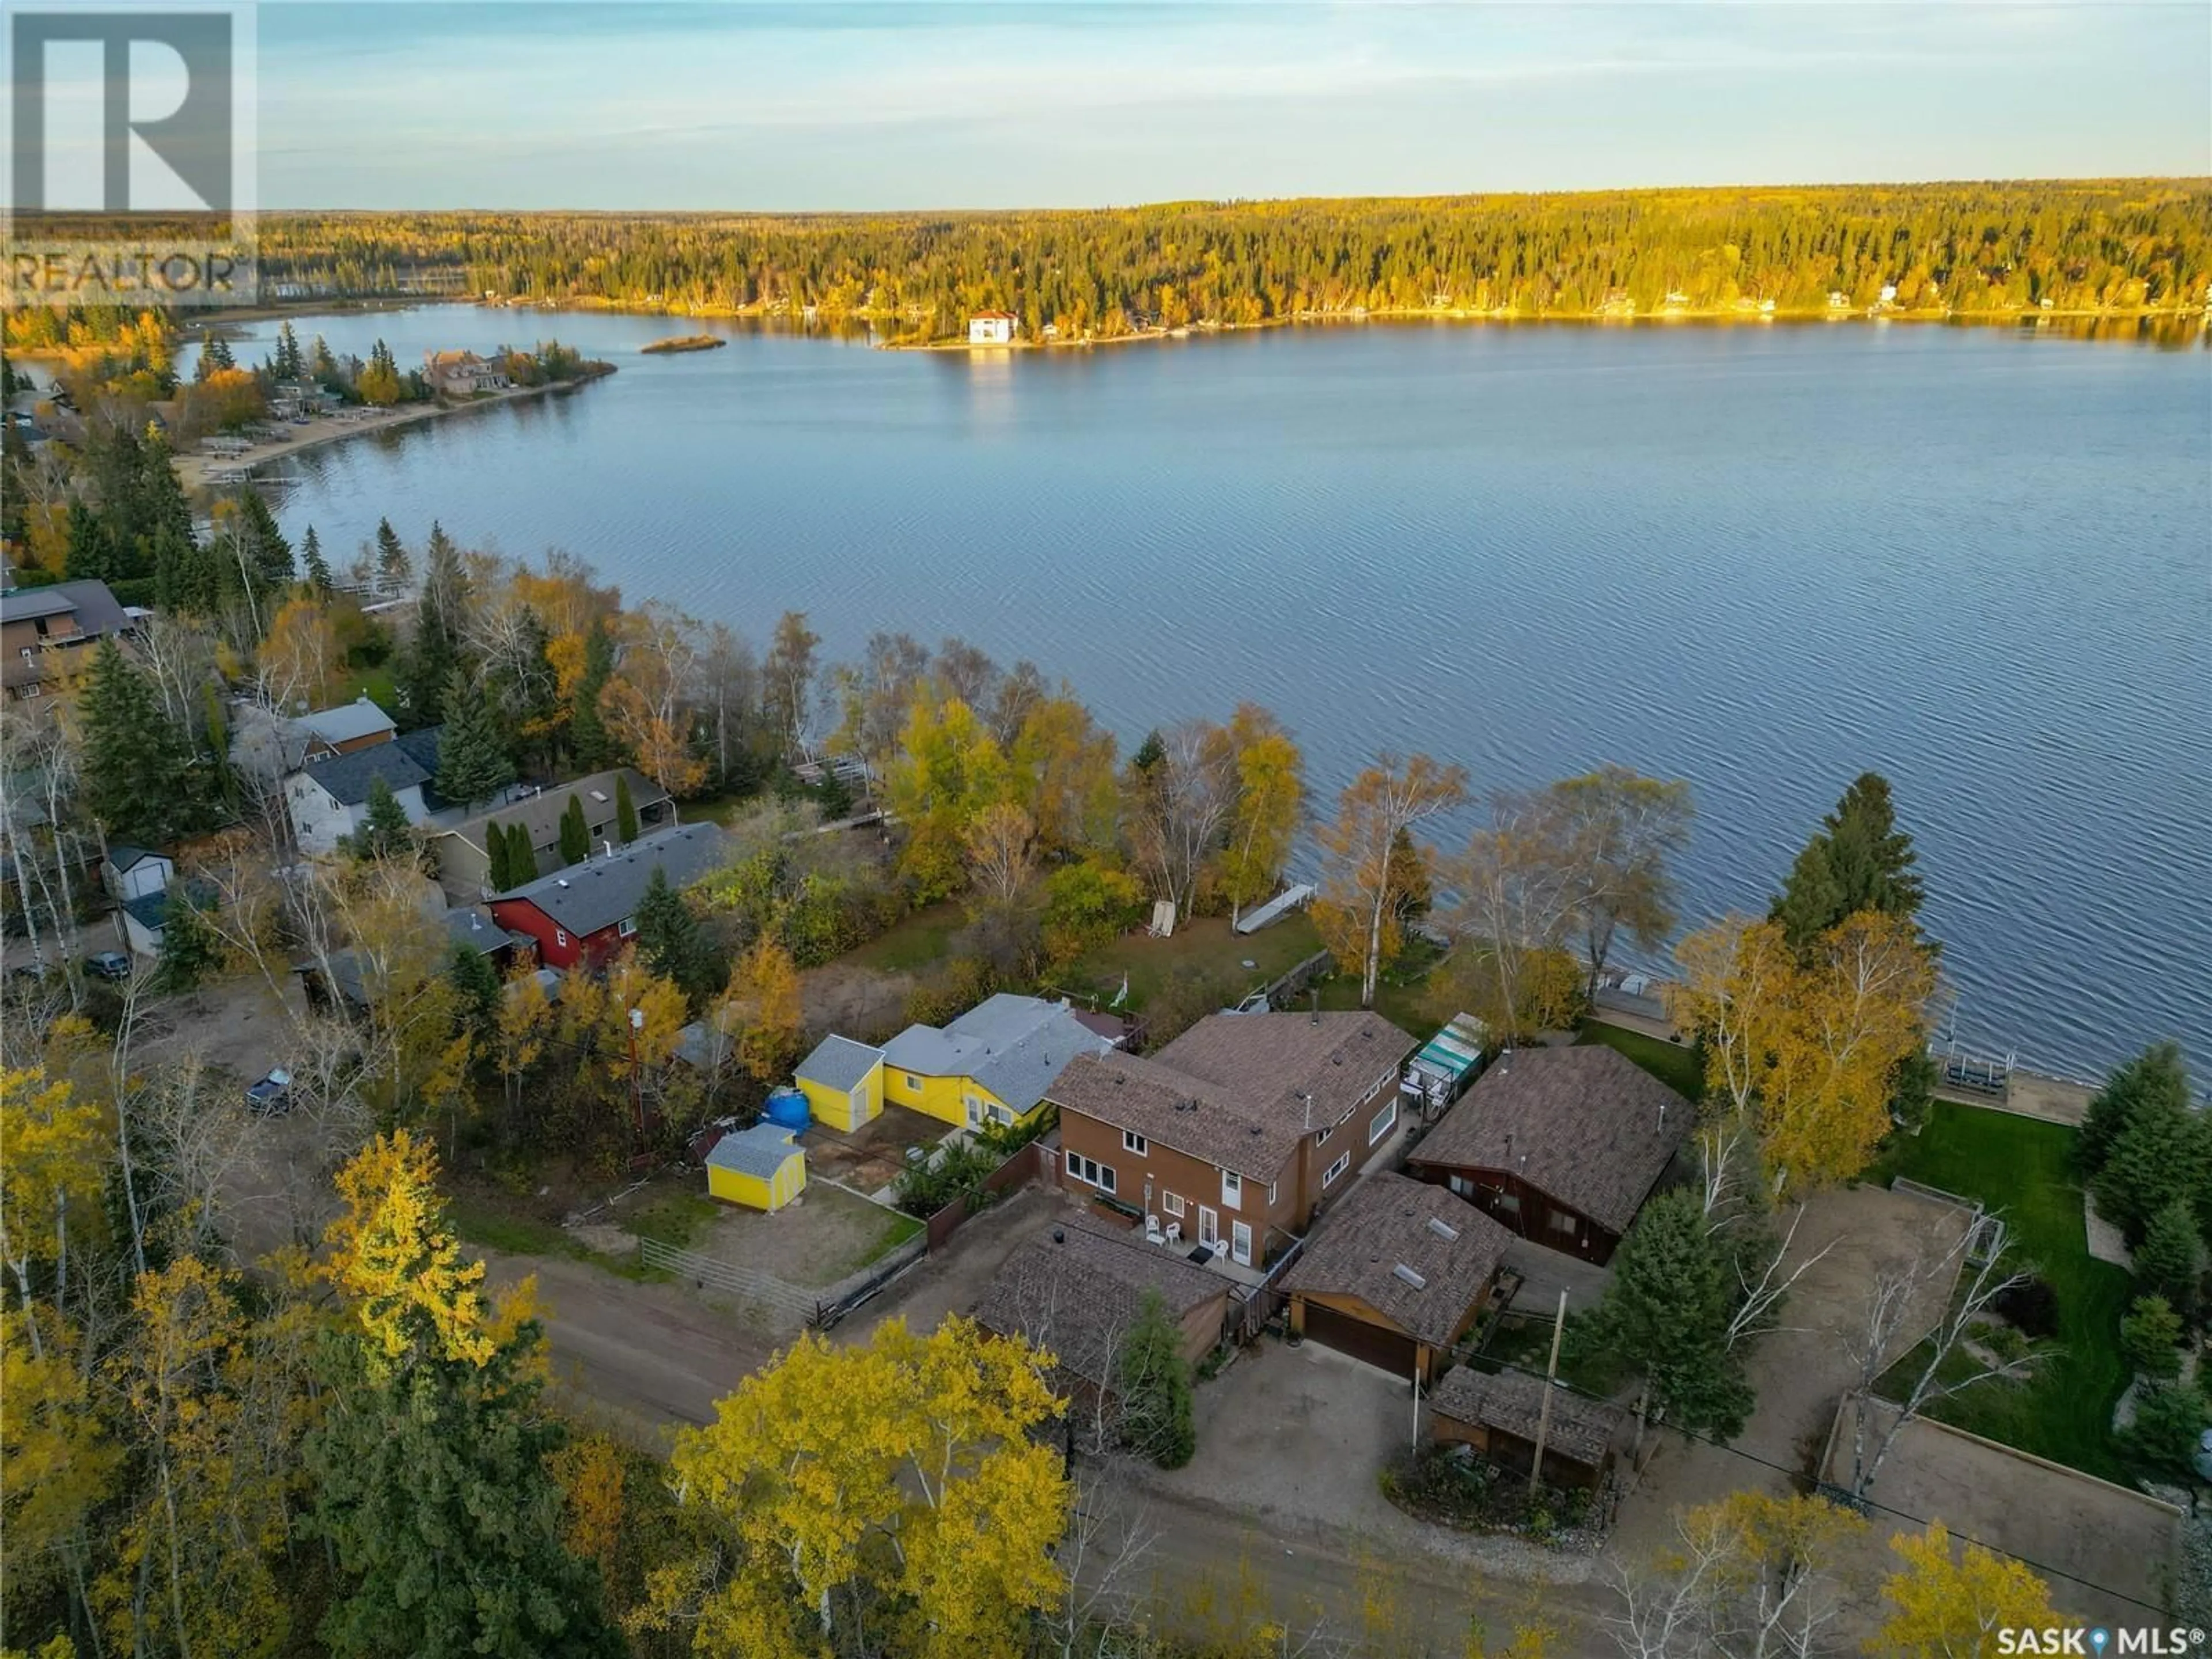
(1091, 1171)
(1271, 1192)
(626, 928)
(1384, 1123)
(561, 937)
(1330, 1176)
(1232, 1190)
(1134, 1142)
(1172, 1204)
(1240, 1242)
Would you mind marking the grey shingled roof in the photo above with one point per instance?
(1240, 1089)
(345, 778)
(838, 1062)
(474, 925)
(1384, 1224)
(95, 607)
(1580, 1428)
(1585, 1125)
(760, 1150)
(1014, 1046)
(600, 892)
(360, 718)
(1077, 1287)
(127, 858)
(539, 814)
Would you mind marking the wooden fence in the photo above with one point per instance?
(1027, 1165)
(794, 1302)
(1251, 1308)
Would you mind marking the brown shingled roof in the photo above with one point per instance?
(1585, 1125)
(1268, 1064)
(1240, 1089)
(1385, 1223)
(1513, 1401)
(1078, 1286)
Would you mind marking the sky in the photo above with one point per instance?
(826, 104)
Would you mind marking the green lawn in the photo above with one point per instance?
(1675, 1064)
(917, 942)
(1206, 945)
(2023, 1168)
(480, 1222)
(675, 1217)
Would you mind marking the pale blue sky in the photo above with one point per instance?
(905, 103)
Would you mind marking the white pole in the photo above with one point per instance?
(1551, 1381)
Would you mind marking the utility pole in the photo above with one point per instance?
(637, 1088)
(1551, 1381)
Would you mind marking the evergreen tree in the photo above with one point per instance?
(135, 764)
(671, 942)
(588, 740)
(497, 871)
(290, 366)
(215, 355)
(394, 569)
(1858, 860)
(2170, 1260)
(625, 809)
(2159, 1073)
(191, 949)
(2151, 1338)
(385, 830)
(1151, 754)
(268, 553)
(91, 555)
(430, 1468)
(834, 796)
(2169, 1419)
(1156, 1417)
(575, 833)
(434, 654)
(476, 983)
(311, 564)
(472, 760)
(2163, 1156)
(1666, 1313)
(521, 856)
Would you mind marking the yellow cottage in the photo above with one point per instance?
(761, 1168)
(991, 1065)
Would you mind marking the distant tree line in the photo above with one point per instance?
(2123, 245)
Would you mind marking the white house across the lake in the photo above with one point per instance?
(991, 328)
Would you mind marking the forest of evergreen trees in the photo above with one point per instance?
(2117, 246)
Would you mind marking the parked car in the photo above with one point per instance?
(109, 964)
(271, 1095)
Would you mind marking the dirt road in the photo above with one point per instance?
(647, 1354)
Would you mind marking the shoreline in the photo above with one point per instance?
(195, 471)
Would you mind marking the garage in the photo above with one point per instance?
(1392, 1351)
(1394, 1272)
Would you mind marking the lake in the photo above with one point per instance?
(1764, 559)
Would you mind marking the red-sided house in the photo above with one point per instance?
(588, 912)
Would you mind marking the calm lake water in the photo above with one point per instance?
(1762, 559)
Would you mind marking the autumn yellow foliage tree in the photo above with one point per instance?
(396, 1264)
(1357, 912)
(57, 1146)
(1944, 1605)
(949, 768)
(763, 993)
(898, 1487)
(1804, 1045)
(299, 658)
(1270, 797)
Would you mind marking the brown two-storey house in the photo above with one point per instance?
(1236, 1132)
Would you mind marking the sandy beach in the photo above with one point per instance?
(197, 471)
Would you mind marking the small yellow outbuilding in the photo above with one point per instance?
(761, 1168)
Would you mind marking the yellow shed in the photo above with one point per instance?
(761, 1168)
(843, 1082)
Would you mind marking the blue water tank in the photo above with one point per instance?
(788, 1108)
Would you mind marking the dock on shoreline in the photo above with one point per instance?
(201, 471)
